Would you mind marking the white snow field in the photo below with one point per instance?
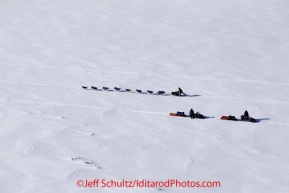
(228, 55)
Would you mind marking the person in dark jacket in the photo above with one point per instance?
(246, 115)
(180, 91)
(192, 114)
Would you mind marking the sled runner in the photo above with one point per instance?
(176, 93)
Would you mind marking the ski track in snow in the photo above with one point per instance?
(83, 161)
(209, 96)
(36, 85)
(120, 109)
(276, 123)
(46, 138)
(155, 74)
(246, 99)
(86, 106)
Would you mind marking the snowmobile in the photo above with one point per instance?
(199, 116)
(248, 119)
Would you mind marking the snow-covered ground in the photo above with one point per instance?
(229, 56)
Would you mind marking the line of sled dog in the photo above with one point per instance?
(177, 93)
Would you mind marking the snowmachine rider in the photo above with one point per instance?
(192, 114)
(181, 92)
(246, 115)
